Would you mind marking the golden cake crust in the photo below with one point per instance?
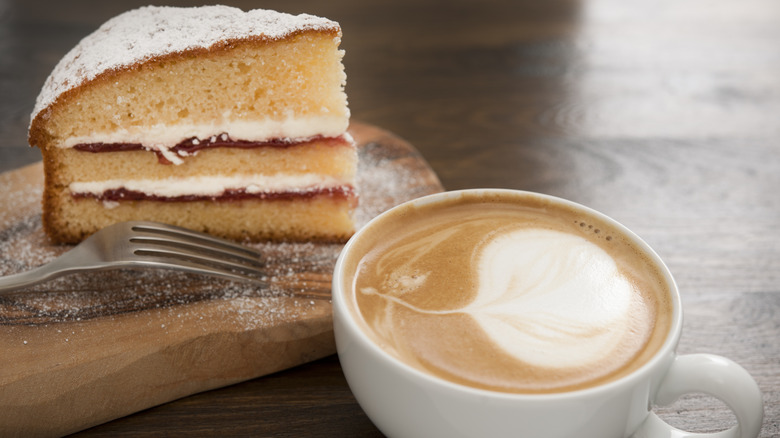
(38, 135)
(194, 32)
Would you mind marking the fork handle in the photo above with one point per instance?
(49, 271)
(14, 282)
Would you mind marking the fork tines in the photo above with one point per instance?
(179, 246)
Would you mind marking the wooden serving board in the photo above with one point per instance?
(86, 349)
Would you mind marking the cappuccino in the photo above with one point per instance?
(508, 292)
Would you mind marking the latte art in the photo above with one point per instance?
(510, 299)
(550, 299)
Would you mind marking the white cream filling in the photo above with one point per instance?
(163, 137)
(213, 185)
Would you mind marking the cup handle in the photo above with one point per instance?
(716, 376)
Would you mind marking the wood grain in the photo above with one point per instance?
(89, 348)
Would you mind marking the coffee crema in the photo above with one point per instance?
(509, 292)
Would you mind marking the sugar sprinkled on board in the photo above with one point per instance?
(22, 246)
(153, 31)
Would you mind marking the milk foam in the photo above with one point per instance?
(550, 298)
(547, 298)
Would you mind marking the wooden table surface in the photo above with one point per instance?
(664, 115)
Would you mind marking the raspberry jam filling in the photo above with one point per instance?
(191, 146)
(122, 194)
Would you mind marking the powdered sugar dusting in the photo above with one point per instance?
(153, 31)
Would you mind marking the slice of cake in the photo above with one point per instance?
(224, 121)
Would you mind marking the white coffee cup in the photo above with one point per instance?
(403, 401)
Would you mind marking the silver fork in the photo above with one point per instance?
(142, 244)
